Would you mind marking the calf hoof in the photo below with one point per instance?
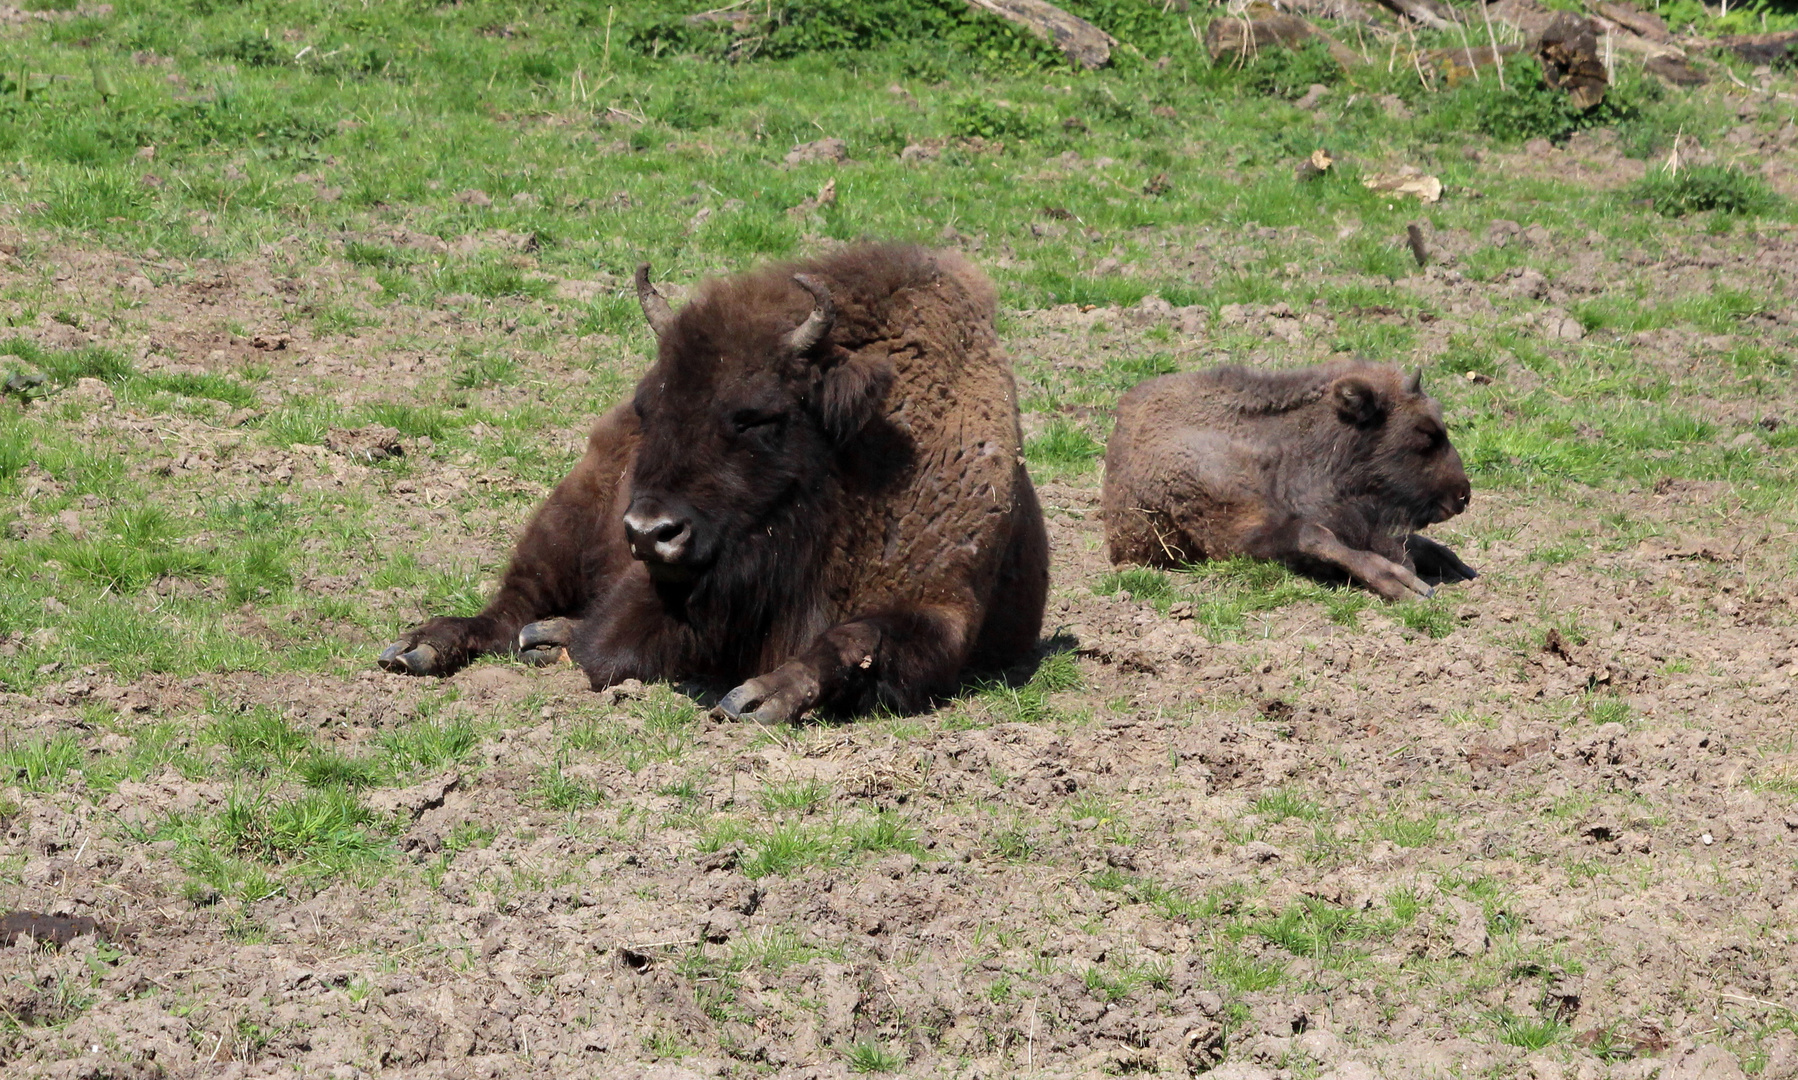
(545, 642)
(420, 659)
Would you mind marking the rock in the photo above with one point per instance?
(1314, 94)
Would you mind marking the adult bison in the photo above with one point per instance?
(816, 489)
(1327, 469)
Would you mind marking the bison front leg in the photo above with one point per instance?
(897, 658)
(1297, 540)
(571, 545)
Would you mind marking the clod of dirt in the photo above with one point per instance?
(1528, 284)
(1703, 1063)
(376, 442)
(1313, 95)
(920, 152)
(826, 150)
(54, 930)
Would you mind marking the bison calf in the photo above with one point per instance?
(1329, 470)
(815, 492)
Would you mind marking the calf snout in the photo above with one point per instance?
(659, 533)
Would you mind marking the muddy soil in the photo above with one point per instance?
(1554, 840)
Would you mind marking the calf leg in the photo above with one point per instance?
(1298, 540)
(900, 658)
(1434, 560)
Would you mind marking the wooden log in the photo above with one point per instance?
(1779, 47)
(1642, 23)
(1430, 13)
(1245, 38)
(1082, 42)
(1460, 62)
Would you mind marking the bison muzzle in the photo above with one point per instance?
(815, 493)
(1330, 470)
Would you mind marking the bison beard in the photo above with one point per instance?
(1328, 470)
(815, 493)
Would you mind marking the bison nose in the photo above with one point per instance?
(658, 536)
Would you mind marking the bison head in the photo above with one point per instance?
(1407, 462)
(741, 419)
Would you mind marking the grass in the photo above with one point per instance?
(785, 848)
(871, 1057)
(445, 208)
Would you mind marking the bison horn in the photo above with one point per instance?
(655, 309)
(1414, 385)
(818, 323)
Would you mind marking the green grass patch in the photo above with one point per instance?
(1697, 189)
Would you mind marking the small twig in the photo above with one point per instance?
(1497, 57)
(1759, 1001)
(1467, 51)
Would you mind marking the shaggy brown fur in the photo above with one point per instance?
(1327, 469)
(818, 484)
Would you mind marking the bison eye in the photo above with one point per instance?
(748, 420)
(1433, 438)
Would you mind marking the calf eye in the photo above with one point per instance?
(747, 420)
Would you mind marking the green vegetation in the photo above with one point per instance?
(1700, 188)
(265, 229)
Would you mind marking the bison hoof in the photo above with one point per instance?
(756, 701)
(545, 642)
(741, 701)
(420, 659)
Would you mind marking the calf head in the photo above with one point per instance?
(741, 419)
(1404, 459)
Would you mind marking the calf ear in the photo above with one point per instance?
(851, 394)
(1358, 401)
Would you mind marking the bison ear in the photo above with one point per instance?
(851, 395)
(1358, 402)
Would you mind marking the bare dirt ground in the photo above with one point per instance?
(1554, 840)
